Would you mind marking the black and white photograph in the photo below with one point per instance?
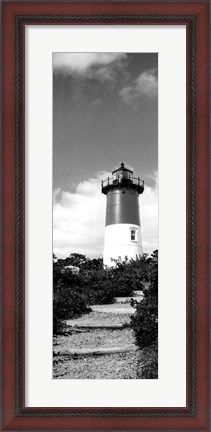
(105, 215)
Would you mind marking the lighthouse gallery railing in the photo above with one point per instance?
(120, 179)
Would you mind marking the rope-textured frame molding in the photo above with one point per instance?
(102, 19)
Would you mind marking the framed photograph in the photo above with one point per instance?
(105, 216)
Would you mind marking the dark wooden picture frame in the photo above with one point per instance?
(195, 15)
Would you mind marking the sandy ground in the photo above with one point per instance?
(115, 366)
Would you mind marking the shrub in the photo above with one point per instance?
(74, 292)
(148, 363)
(145, 320)
(127, 276)
(145, 323)
(95, 284)
(58, 324)
(67, 304)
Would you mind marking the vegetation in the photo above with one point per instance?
(89, 282)
(148, 363)
(79, 282)
(67, 304)
(145, 321)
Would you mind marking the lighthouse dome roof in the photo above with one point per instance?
(122, 168)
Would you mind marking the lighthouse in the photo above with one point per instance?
(122, 225)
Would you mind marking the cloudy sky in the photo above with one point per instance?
(105, 110)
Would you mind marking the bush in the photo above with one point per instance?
(74, 292)
(100, 288)
(67, 304)
(58, 324)
(145, 323)
(148, 363)
(127, 276)
(145, 320)
(95, 284)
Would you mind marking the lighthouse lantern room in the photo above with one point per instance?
(123, 227)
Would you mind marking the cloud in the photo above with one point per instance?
(95, 104)
(109, 73)
(79, 218)
(143, 87)
(87, 65)
(149, 216)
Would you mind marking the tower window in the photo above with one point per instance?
(133, 235)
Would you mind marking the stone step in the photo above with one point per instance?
(98, 325)
(81, 352)
(98, 317)
(127, 300)
(114, 308)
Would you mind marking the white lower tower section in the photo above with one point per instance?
(121, 240)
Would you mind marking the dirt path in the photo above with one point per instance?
(99, 345)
